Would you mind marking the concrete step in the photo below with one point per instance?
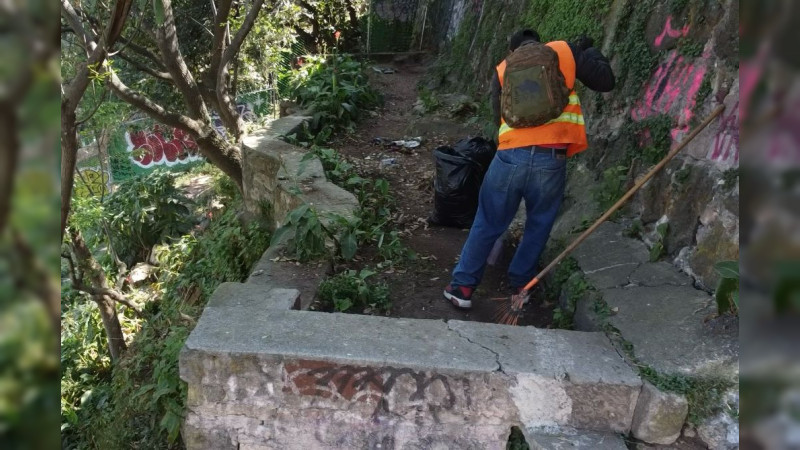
(262, 376)
(574, 440)
(656, 308)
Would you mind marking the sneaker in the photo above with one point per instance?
(459, 296)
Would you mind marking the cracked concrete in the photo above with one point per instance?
(655, 307)
(497, 355)
(251, 361)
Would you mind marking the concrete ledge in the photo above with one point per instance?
(267, 378)
(277, 174)
(250, 296)
(574, 440)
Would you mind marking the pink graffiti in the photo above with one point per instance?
(669, 31)
(750, 72)
(726, 140)
(675, 80)
(155, 149)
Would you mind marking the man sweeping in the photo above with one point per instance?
(541, 125)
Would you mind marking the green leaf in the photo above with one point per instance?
(158, 9)
(728, 269)
(349, 245)
(342, 304)
(725, 290)
(279, 233)
(366, 273)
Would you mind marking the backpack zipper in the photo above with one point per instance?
(547, 85)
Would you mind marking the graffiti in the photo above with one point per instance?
(150, 148)
(245, 112)
(674, 83)
(91, 181)
(726, 140)
(367, 384)
(669, 31)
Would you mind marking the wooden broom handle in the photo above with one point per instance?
(627, 196)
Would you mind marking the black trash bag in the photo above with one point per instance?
(459, 174)
(477, 149)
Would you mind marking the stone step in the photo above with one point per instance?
(574, 440)
(262, 376)
(656, 308)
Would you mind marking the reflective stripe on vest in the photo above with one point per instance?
(568, 128)
(575, 117)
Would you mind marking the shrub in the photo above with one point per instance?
(140, 402)
(351, 292)
(336, 89)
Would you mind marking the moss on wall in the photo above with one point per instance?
(567, 19)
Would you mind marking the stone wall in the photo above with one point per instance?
(279, 177)
(675, 61)
(262, 376)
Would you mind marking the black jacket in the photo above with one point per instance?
(591, 68)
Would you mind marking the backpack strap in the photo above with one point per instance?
(566, 61)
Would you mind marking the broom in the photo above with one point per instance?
(510, 309)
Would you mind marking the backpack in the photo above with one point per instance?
(534, 89)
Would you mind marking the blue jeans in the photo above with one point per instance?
(513, 175)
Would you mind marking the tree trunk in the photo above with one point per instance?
(69, 155)
(95, 276)
(222, 154)
(108, 312)
(9, 151)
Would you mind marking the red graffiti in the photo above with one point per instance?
(675, 81)
(726, 140)
(150, 148)
(669, 31)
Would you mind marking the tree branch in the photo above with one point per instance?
(110, 293)
(220, 31)
(164, 76)
(94, 110)
(244, 30)
(142, 51)
(167, 41)
(69, 13)
(78, 285)
(150, 107)
(227, 104)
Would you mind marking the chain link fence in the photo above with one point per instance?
(389, 26)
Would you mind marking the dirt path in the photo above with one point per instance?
(416, 288)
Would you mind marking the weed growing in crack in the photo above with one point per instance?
(704, 394)
(569, 279)
(658, 249)
(611, 187)
(635, 229)
(730, 178)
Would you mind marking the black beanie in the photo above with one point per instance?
(521, 36)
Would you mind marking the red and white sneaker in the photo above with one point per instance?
(459, 296)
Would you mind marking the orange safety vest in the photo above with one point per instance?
(568, 128)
